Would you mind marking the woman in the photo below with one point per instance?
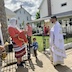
(18, 45)
(44, 30)
(48, 30)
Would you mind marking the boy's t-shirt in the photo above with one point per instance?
(35, 45)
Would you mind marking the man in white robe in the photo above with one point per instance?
(56, 43)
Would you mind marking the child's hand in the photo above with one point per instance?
(3, 52)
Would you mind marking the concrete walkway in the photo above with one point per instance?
(43, 64)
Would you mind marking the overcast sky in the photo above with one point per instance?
(30, 5)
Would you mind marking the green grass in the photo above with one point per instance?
(40, 42)
(68, 40)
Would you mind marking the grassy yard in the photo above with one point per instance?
(68, 40)
(40, 41)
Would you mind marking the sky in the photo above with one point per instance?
(30, 5)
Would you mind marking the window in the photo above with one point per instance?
(20, 12)
(70, 21)
(60, 21)
(8, 19)
(27, 18)
(24, 12)
(20, 25)
(64, 4)
(18, 18)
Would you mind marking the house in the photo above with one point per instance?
(9, 14)
(22, 16)
(61, 8)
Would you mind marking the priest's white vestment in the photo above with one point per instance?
(57, 44)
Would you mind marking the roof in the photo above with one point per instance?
(59, 15)
(64, 14)
(9, 13)
(23, 9)
(41, 4)
(39, 20)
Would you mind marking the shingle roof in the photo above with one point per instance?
(22, 8)
(17, 10)
(9, 13)
(68, 13)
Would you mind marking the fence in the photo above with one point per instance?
(9, 64)
(67, 26)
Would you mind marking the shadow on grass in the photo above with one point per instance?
(61, 68)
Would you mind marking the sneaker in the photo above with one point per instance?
(18, 65)
(21, 64)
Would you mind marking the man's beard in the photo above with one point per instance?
(52, 22)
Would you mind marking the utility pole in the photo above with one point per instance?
(49, 7)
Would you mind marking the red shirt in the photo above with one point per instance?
(21, 37)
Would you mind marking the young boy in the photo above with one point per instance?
(35, 47)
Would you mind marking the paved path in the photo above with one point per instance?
(43, 64)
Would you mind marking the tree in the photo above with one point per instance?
(38, 15)
(3, 21)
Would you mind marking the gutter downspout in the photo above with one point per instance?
(49, 7)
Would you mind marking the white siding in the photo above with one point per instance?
(21, 16)
(44, 9)
(9, 14)
(57, 8)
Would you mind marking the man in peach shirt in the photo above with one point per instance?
(29, 35)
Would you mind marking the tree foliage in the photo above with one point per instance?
(38, 15)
